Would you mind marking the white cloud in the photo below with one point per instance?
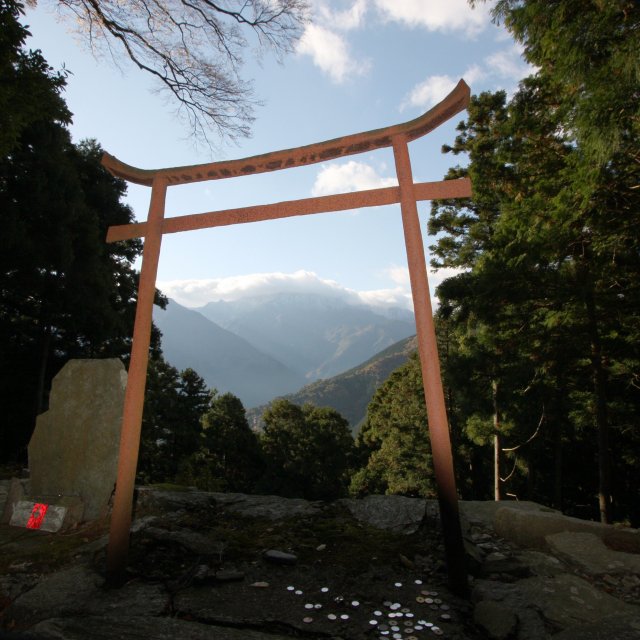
(429, 92)
(508, 63)
(346, 20)
(399, 274)
(437, 15)
(330, 52)
(196, 293)
(504, 66)
(436, 277)
(350, 176)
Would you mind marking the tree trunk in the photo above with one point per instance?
(557, 470)
(599, 377)
(497, 444)
(39, 404)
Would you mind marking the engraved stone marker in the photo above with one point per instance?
(74, 448)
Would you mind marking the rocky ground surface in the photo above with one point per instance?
(231, 567)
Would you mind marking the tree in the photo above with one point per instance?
(194, 49)
(31, 90)
(307, 450)
(172, 432)
(395, 438)
(590, 50)
(548, 242)
(229, 458)
(64, 292)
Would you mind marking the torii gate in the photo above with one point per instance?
(407, 194)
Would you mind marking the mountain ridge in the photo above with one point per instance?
(225, 361)
(350, 392)
(318, 336)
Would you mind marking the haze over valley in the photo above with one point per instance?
(263, 346)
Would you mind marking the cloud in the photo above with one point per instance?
(196, 293)
(399, 274)
(437, 15)
(350, 176)
(351, 18)
(508, 63)
(504, 66)
(330, 52)
(429, 92)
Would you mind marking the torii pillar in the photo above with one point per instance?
(407, 194)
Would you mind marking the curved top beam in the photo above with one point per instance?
(455, 102)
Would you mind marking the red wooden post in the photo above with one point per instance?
(118, 546)
(431, 378)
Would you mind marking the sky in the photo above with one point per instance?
(360, 65)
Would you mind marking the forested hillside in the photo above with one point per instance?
(64, 292)
(542, 351)
(350, 392)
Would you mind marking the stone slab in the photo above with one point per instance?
(393, 513)
(14, 493)
(529, 528)
(591, 555)
(563, 600)
(142, 628)
(498, 622)
(483, 512)
(38, 515)
(74, 448)
(623, 627)
(64, 593)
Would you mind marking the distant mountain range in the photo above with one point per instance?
(223, 359)
(267, 346)
(349, 393)
(317, 336)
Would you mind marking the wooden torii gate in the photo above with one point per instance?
(407, 193)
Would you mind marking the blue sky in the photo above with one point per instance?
(360, 65)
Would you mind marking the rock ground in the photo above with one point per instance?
(199, 567)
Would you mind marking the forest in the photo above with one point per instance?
(539, 331)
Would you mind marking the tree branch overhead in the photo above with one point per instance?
(194, 49)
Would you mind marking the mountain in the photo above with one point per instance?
(317, 336)
(350, 392)
(226, 361)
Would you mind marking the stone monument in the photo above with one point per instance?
(74, 448)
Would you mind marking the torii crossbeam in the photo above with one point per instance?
(407, 193)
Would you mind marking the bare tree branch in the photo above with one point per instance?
(194, 49)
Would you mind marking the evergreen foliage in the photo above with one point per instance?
(394, 439)
(64, 292)
(545, 311)
(172, 420)
(307, 451)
